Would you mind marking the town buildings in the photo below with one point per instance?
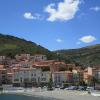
(26, 70)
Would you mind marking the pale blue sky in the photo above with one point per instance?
(54, 24)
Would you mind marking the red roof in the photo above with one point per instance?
(47, 63)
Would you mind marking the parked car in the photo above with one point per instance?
(82, 88)
(57, 86)
(72, 88)
(66, 88)
(63, 87)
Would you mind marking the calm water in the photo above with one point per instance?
(20, 97)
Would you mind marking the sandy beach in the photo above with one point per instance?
(57, 94)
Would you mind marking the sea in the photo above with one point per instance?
(21, 97)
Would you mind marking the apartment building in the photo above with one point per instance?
(97, 74)
(65, 77)
(39, 57)
(35, 58)
(30, 77)
(3, 75)
(2, 59)
(90, 73)
(59, 78)
(22, 57)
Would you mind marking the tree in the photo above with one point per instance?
(94, 80)
(50, 83)
(1, 89)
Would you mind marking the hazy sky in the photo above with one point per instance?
(54, 24)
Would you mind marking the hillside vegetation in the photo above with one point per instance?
(86, 56)
(10, 46)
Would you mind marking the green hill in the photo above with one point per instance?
(86, 56)
(10, 46)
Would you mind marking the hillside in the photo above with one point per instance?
(86, 56)
(10, 46)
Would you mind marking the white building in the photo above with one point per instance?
(38, 58)
(59, 78)
(97, 75)
(30, 76)
(2, 59)
(23, 56)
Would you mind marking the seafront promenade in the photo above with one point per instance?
(57, 93)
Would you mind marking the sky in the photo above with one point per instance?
(54, 24)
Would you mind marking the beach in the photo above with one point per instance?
(57, 94)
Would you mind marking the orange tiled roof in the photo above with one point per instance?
(25, 69)
(47, 63)
(60, 63)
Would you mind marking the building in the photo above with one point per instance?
(64, 77)
(9, 78)
(22, 57)
(27, 77)
(2, 59)
(39, 58)
(59, 78)
(9, 75)
(35, 58)
(50, 65)
(90, 73)
(97, 74)
(3, 75)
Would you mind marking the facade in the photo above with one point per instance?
(2, 58)
(38, 58)
(97, 75)
(30, 77)
(64, 77)
(3, 75)
(35, 58)
(59, 78)
(91, 73)
(22, 57)
(27, 70)
(9, 78)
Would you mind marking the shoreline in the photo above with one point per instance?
(55, 94)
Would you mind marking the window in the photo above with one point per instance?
(34, 79)
(16, 79)
(43, 79)
(34, 74)
(42, 74)
(3, 72)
